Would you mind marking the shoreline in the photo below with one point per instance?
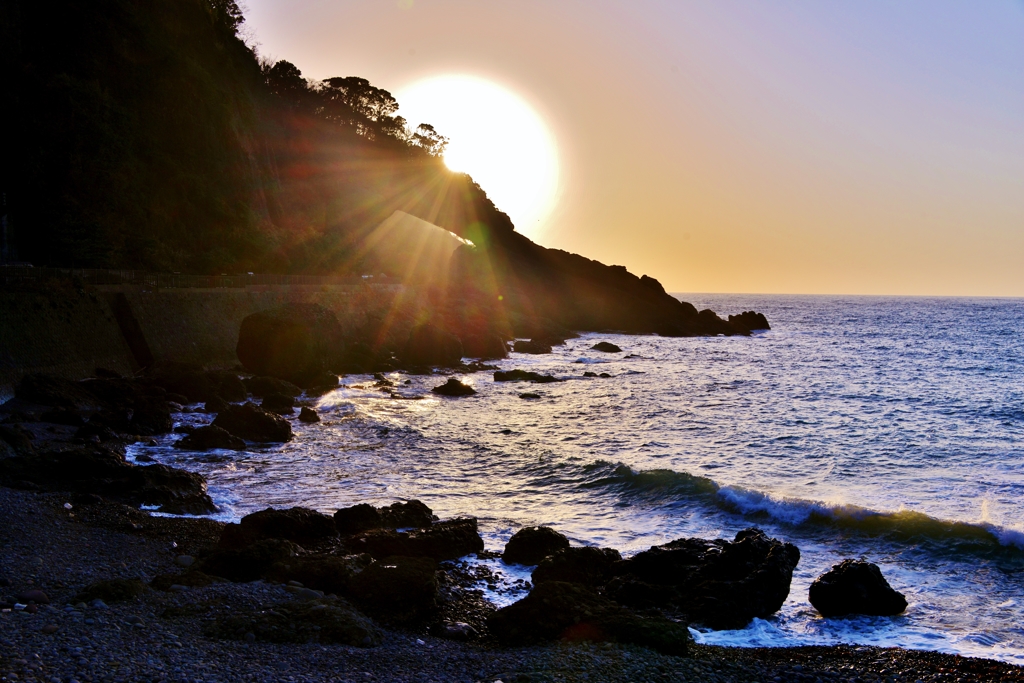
(48, 547)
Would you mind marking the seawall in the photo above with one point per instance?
(68, 331)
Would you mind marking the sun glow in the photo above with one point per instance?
(496, 138)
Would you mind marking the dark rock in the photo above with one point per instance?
(454, 387)
(150, 417)
(301, 525)
(604, 375)
(206, 438)
(112, 590)
(588, 566)
(185, 379)
(37, 596)
(397, 590)
(296, 342)
(484, 346)
(228, 385)
(749, 321)
(115, 419)
(264, 386)
(457, 630)
(589, 374)
(429, 345)
(215, 405)
(855, 587)
(250, 422)
(308, 415)
(322, 383)
(567, 611)
(529, 394)
(18, 438)
(51, 391)
(524, 376)
(606, 347)
(533, 346)
(363, 517)
(62, 416)
(325, 621)
(249, 563)
(281, 404)
(106, 373)
(718, 583)
(328, 573)
(532, 544)
(442, 541)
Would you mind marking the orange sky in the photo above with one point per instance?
(799, 147)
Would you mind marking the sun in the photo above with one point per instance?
(495, 137)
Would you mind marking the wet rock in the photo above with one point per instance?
(249, 563)
(249, 421)
(524, 376)
(296, 342)
(206, 438)
(321, 384)
(855, 587)
(112, 590)
(606, 347)
(717, 583)
(328, 573)
(532, 544)
(62, 416)
(429, 345)
(454, 387)
(441, 541)
(362, 517)
(282, 404)
(215, 405)
(529, 395)
(397, 590)
(308, 415)
(228, 386)
(749, 321)
(324, 620)
(533, 346)
(264, 386)
(150, 417)
(300, 525)
(588, 566)
(567, 611)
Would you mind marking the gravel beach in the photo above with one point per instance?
(159, 635)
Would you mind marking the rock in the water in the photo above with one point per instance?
(205, 438)
(281, 404)
(855, 587)
(533, 346)
(454, 387)
(523, 376)
(300, 525)
(363, 517)
(567, 611)
(749, 321)
(529, 395)
(295, 342)
(606, 347)
(588, 566)
(215, 405)
(718, 583)
(324, 620)
(308, 415)
(397, 590)
(227, 385)
(429, 345)
(484, 346)
(150, 417)
(532, 544)
(264, 386)
(249, 563)
(182, 378)
(249, 421)
(441, 541)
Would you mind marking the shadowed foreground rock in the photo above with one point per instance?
(441, 541)
(429, 345)
(299, 525)
(250, 422)
(524, 376)
(297, 342)
(206, 438)
(454, 387)
(326, 621)
(532, 544)
(566, 611)
(588, 566)
(362, 517)
(855, 587)
(717, 583)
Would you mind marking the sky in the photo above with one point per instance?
(801, 146)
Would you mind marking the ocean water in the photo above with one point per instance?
(890, 429)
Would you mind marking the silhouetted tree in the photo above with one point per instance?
(432, 142)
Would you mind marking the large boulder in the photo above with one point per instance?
(261, 387)
(567, 611)
(518, 375)
(453, 387)
(855, 587)
(441, 541)
(532, 544)
(151, 416)
(397, 590)
(206, 438)
(717, 583)
(249, 421)
(280, 404)
(749, 320)
(532, 346)
(588, 566)
(325, 621)
(328, 573)
(485, 346)
(183, 378)
(606, 347)
(429, 345)
(362, 517)
(297, 342)
(300, 525)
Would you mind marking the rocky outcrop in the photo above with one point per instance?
(308, 415)
(397, 590)
(855, 587)
(588, 566)
(208, 438)
(749, 321)
(532, 544)
(606, 347)
(532, 346)
(523, 376)
(453, 387)
(566, 611)
(447, 540)
(280, 404)
(250, 422)
(261, 387)
(718, 583)
(363, 517)
(297, 342)
(431, 346)
(299, 525)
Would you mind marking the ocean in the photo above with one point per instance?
(889, 429)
